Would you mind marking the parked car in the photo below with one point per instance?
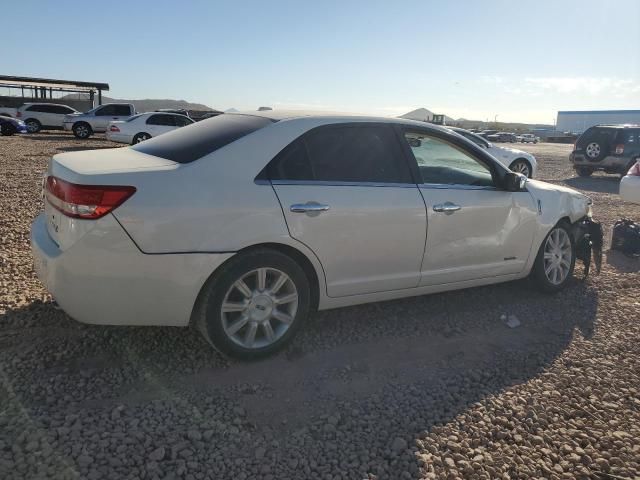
(516, 160)
(10, 126)
(611, 148)
(144, 126)
(486, 133)
(529, 138)
(503, 137)
(44, 116)
(83, 125)
(630, 184)
(244, 223)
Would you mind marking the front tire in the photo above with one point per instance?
(33, 125)
(6, 130)
(82, 130)
(254, 304)
(555, 260)
(521, 166)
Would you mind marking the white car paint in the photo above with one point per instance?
(143, 125)
(47, 115)
(505, 155)
(630, 185)
(146, 262)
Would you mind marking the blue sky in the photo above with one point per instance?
(522, 61)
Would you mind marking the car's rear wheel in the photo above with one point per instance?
(584, 171)
(6, 129)
(140, 137)
(555, 260)
(255, 304)
(82, 130)
(33, 125)
(521, 166)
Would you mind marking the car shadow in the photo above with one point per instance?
(403, 367)
(44, 136)
(600, 184)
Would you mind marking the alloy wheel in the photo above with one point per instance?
(557, 256)
(259, 308)
(593, 150)
(82, 131)
(32, 127)
(521, 167)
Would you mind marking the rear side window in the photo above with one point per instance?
(161, 119)
(188, 144)
(345, 153)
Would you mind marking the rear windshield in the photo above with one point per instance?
(190, 143)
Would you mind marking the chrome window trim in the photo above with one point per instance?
(342, 184)
(456, 186)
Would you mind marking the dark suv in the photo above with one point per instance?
(612, 148)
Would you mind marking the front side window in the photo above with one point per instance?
(443, 163)
(345, 153)
(182, 121)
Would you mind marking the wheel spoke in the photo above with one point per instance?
(292, 297)
(268, 331)
(282, 317)
(241, 322)
(250, 337)
(262, 278)
(548, 268)
(548, 255)
(282, 279)
(233, 307)
(243, 288)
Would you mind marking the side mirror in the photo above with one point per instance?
(514, 182)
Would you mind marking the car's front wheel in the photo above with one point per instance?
(255, 304)
(555, 260)
(6, 129)
(82, 130)
(521, 166)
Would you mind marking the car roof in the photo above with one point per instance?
(626, 125)
(338, 117)
(46, 103)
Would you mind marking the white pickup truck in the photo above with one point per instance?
(83, 125)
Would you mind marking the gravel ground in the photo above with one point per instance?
(430, 387)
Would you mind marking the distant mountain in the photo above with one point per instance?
(230, 110)
(151, 104)
(424, 115)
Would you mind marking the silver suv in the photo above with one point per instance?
(43, 116)
(83, 125)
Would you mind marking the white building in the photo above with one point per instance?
(579, 121)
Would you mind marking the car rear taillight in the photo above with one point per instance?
(635, 170)
(620, 149)
(113, 128)
(85, 201)
(18, 114)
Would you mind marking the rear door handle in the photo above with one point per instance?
(309, 207)
(446, 207)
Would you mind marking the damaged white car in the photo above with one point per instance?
(244, 223)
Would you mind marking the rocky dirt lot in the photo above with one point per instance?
(429, 387)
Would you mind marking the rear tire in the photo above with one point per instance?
(33, 125)
(140, 137)
(584, 171)
(555, 261)
(245, 317)
(82, 130)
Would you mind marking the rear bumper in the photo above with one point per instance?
(609, 162)
(118, 137)
(104, 279)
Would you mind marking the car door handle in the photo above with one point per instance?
(309, 207)
(446, 207)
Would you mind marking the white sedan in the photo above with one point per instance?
(243, 224)
(144, 126)
(512, 158)
(630, 185)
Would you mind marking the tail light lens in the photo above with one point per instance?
(113, 128)
(85, 201)
(635, 170)
(620, 149)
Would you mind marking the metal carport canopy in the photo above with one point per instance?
(11, 81)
